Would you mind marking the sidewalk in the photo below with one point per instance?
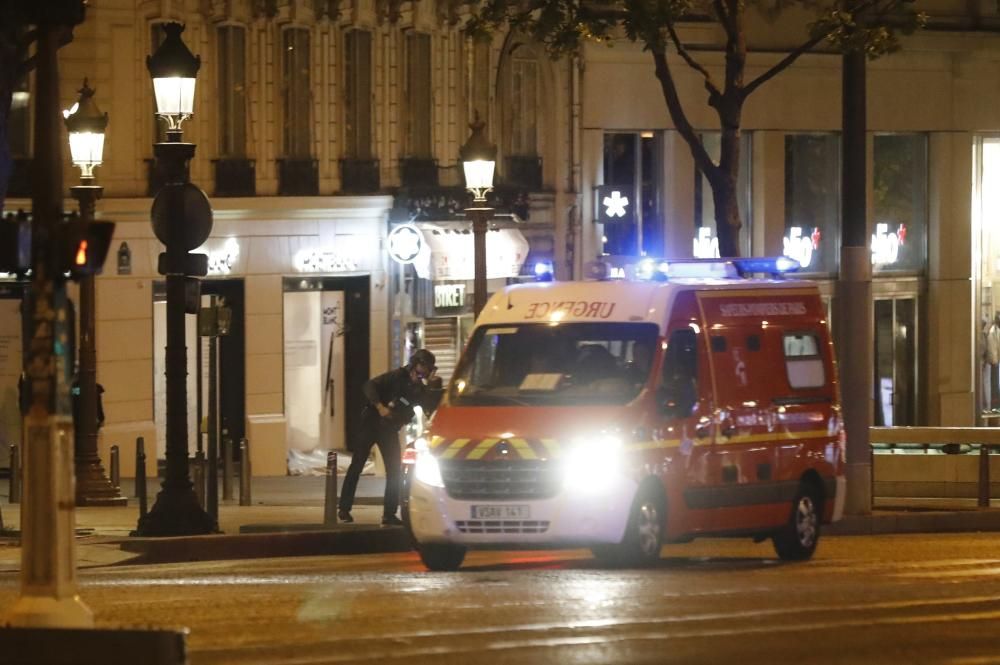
(286, 519)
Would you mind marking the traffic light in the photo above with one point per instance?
(15, 244)
(81, 247)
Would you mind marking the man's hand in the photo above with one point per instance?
(383, 410)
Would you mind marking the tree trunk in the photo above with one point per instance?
(727, 213)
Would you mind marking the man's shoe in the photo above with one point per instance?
(391, 520)
(344, 516)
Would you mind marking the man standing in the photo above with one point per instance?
(391, 399)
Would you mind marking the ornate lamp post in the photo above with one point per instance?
(182, 221)
(479, 163)
(86, 124)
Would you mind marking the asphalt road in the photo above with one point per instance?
(891, 599)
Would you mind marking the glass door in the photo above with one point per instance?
(895, 361)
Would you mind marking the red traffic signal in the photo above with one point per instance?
(81, 247)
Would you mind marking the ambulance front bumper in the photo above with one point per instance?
(573, 517)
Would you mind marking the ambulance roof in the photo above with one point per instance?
(611, 301)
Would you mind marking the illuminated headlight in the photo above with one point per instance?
(426, 470)
(591, 464)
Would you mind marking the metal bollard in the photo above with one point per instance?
(140, 474)
(330, 502)
(198, 477)
(15, 474)
(246, 473)
(116, 469)
(227, 468)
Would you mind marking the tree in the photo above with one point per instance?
(869, 26)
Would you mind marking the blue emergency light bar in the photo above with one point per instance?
(650, 269)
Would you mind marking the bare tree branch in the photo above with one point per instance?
(692, 63)
(725, 19)
(701, 158)
(782, 65)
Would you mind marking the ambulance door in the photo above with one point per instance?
(684, 402)
(744, 458)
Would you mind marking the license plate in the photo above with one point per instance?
(501, 512)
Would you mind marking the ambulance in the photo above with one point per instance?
(620, 415)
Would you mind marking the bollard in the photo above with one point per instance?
(984, 476)
(227, 468)
(116, 469)
(330, 503)
(245, 473)
(198, 477)
(15, 474)
(140, 475)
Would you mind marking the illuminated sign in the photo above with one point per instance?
(222, 260)
(801, 247)
(313, 259)
(405, 242)
(613, 204)
(449, 295)
(706, 244)
(886, 244)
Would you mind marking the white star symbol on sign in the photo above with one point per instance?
(615, 204)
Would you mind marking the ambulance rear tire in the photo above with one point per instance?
(441, 557)
(643, 538)
(797, 539)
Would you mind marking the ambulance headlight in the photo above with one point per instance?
(591, 464)
(427, 469)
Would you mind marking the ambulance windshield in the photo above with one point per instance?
(564, 364)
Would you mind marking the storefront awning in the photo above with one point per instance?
(451, 255)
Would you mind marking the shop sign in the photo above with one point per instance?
(318, 259)
(886, 244)
(801, 247)
(449, 295)
(405, 243)
(706, 244)
(613, 204)
(221, 261)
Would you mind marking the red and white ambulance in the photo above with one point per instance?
(620, 415)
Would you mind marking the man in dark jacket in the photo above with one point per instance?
(391, 399)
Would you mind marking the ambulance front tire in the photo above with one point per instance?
(441, 557)
(644, 533)
(797, 539)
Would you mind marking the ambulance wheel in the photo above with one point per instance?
(441, 557)
(643, 534)
(797, 539)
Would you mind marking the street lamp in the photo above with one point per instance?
(182, 221)
(86, 124)
(479, 164)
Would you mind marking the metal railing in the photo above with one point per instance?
(943, 440)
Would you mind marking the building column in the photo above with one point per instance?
(678, 196)
(767, 183)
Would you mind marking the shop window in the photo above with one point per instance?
(417, 89)
(812, 201)
(634, 162)
(706, 238)
(232, 90)
(297, 96)
(899, 191)
(358, 94)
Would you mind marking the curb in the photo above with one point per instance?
(318, 541)
(886, 522)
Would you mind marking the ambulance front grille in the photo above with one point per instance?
(502, 526)
(502, 480)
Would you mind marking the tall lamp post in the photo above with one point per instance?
(86, 125)
(182, 221)
(479, 163)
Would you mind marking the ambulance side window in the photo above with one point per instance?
(678, 392)
(803, 360)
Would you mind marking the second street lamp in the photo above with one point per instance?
(86, 125)
(479, 163)
(182, 221)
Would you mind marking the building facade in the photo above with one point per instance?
(323, 126)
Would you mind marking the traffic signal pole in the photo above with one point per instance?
(48, 596)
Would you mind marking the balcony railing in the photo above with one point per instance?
(418, 172)
(235, 177)
(524, 172)
(359, 176)
(298, 176)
